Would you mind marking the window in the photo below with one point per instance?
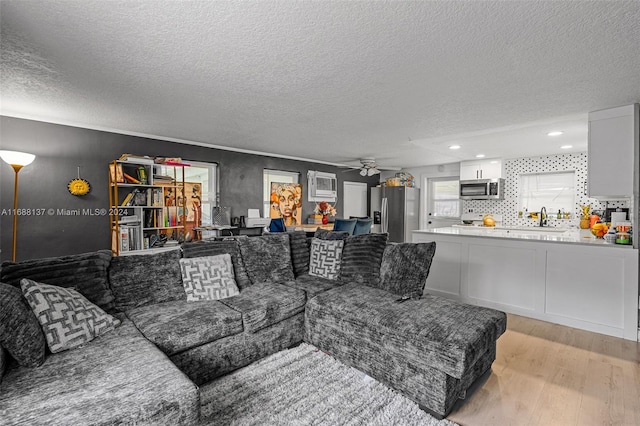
(269, 176)
(555, 191)
(445, 198)
(204, 175)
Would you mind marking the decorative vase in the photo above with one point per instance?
(585, 222)
(325, 219)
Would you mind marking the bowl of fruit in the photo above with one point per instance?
(599, 229)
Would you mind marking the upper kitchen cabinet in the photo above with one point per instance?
(481, 169)
(613, 136)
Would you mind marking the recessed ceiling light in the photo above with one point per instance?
(558, 133)
(480, 156)
(454, 147)
(566, 147)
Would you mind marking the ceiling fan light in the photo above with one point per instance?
(363, 172)
(373, 171)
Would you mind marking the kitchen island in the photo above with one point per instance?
(566, 277)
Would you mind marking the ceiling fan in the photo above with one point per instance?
(369, 167)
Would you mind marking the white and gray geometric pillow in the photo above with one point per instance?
(208, 277)
(325, 258)
(67, 318)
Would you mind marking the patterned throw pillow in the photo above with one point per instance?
(325, 258)
(214, 248)
(67, 318)
(208, 277)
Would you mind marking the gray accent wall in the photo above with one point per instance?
(61, 149)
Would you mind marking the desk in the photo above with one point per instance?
(206, 232)
(251, 231)
(310, 229)
(212, 231)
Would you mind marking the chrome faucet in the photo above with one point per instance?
(543, 216)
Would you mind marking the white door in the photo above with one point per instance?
(354, 199)
(443, 202)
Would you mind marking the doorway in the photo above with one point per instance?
(354, 199)
(444, 206)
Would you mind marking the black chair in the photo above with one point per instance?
(363, 226)
(345, 225)
(277, 225)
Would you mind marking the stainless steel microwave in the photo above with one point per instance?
(482, 189)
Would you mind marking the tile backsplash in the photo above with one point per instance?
(510, 206)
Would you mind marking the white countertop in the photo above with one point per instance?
(553, 235)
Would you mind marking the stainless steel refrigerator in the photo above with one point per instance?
(395, 209)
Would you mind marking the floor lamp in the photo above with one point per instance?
(17, 160)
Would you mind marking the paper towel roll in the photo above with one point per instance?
(617, 217)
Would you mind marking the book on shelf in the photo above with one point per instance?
(127, 199)
(116, 173)
(131, 179)
(139, 159)
(132, 198)
(142, 175)
(124, 239)
(129, 238)
(165, 160)
(154, 218)
(150, 219)
(170, 216)
(163, 179)
(128, 219)
(154, 197)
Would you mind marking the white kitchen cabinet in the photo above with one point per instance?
(613, 138)
(485, 169)
(591, 287)
(512, 283)
(586, 286)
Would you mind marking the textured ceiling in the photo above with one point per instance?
(328, 81)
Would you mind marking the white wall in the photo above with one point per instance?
(510, 206)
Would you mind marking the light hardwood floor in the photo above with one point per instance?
(548, 374)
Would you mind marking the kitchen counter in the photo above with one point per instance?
(566, 277)
(547, 234)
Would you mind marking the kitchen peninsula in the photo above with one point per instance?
(565, 277)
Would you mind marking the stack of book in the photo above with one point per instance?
(315, 219)
(137, 159)
(162, 180)
(129, 238)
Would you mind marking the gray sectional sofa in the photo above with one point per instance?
(147, 371)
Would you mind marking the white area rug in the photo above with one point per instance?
(303, 386)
